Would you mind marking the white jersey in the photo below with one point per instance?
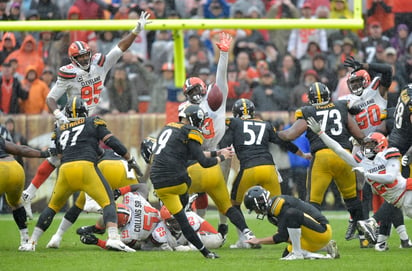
(85, 84)
(392, 192)
(214, 125)
(370, 105)
(144, 219)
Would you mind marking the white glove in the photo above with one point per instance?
(314, 125)
(405, 160)
(60, 117)
(361, 170)
(141, 23)
(182, 248)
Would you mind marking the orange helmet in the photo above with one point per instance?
(358, 81)
(80, 48)
(168, 67)
(124, 214)
(373, 144)
(194, 89)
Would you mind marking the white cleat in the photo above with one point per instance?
(115, 244)
(293, 256)
(54, 241)
(26, 200)
(332, 249)
(27, 247)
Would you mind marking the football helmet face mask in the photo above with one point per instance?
(146, 148)
(243, 108)
(406, 95)
(194, 114)
(170, 222)
(80, 54)
(124, 214)
(194, 89)
(318, 94)
(373, 144)
(358, 81)
(257, 199)
(76, 108)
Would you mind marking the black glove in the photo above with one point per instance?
(45, 154)
(133, 165)
(116, 194)
(112, 8)
(89, 239)
(350, 62)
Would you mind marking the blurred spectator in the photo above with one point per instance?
(342, 88)
(75, 13)
(107, 40)
(11, 91)
(32, 15)
(273, 57)
(334, 55)
(15, 13)
(196, 56)
(381, 11)
(288, 72)
(246, 75)
(251, 43)
(45, 44)
(300, 38)
(285, 9)
(341, 34)
(189, 9)
(216, 9)
(17, 137)
(49, 78)
(312, 50)
(8, 45)
(262, 67)
(159, 94)
(326, 75)
(268, 96)
(408, 63)
(121, 91)
(27, 55)
(243, 7)
(400, 39)
(145, 79)
(159, 9)
(14, 64)
(370, 43)
(163, 48)
(38, 90)
(58, 52)
(90, 9)
(298, 96)
(4, 16)
(205, 75)
(339, 9)
(47, 9)
(403, 12)
(399, 78)
(124, 8)
(348, 49)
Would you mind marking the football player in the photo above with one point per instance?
(12, 179)
(176, 144)
(380, 166)
(326, 165)
(298, 222)
(83, 77)
(367, 103)
(250, 138)
(77, 142)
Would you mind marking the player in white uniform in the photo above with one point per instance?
(84, 77)
(380, 166)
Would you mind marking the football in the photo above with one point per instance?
(214, 97)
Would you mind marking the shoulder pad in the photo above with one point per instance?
(196, 135)
(67, 72)
(99, 59)
(97, 121)
(392, 153)
(228, 121)
(299, 114)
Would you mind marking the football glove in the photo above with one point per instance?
(131, 164)
(116, 194)
(225, 41)
(405, 160)
(60, 117)
(350, 62)
(361, 170)
(142, 22)
(314, 125)
(89, 239)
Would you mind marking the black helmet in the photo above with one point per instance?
(76, 108)
(256, 199)
(319, 94)
(146, 148)
(243, 108)
(406, 95)
(194, 114)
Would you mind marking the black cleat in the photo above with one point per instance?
(89, 239)
(89, 230)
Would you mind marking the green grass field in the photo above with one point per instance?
(73, 255)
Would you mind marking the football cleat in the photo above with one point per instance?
(382, 246)
(89, 239)
(115, 244)
(223, 229)
(247, 235)
(27, 247)
(406, 244)
(89, 230)
(369, 227)
(211, 255)
(54, 241)
(350, 231)
(332, 249)
(26, 201)
(293, 256)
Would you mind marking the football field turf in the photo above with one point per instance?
(73, 255)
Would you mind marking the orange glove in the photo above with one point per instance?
(225, 41)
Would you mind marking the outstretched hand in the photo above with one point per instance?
(314, 125)
(131, 164)
(143, 21)
(225, 41)
(350, 62)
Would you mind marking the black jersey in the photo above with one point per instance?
(176, 144)
(3, 152)
(334, 119)
(79, 139)
(401, 134)
(251, 139)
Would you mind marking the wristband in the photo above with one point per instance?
(222, 158)
(57, 112)
(44, 154)
(213, 153)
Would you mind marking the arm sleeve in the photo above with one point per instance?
(198, 155)
(345, 155)
(221, 76)
(385, 70)
(392, 170)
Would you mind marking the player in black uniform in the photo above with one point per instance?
(326, 165)
(251, 138)
(305, 226)
(12, 179)
(176, 144)
(78, 144)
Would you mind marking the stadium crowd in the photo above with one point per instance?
(273, 70)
